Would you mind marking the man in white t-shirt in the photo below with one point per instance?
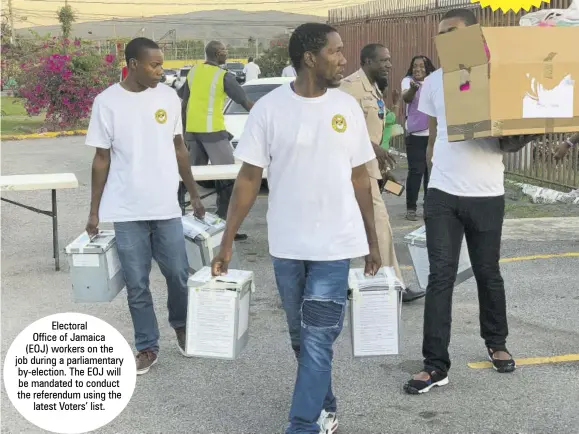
(312, 139)
(289, 71)
(465, 198)
(251, 70)
(137, 131)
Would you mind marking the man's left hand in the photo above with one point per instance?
(373, 262)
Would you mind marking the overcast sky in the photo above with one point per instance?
(43, 12)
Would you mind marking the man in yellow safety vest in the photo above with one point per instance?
(204, 95)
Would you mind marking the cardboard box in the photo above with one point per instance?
(529, 86)
(203, 240)
(95, 268)
(416, 242)
(375, 309)
(218, 313)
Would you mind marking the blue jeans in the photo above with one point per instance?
(138, 243)
(313, 294)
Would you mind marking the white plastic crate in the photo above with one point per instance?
(95, 268)
(203, 239)
(416, 242)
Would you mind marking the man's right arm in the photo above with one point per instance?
(253, 150)
(243, 197)
(99, 136)
(101, 164)
(235, 91)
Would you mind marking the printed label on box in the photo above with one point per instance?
(85, 260)
(375, 323)
(212, 322)
(540, 102)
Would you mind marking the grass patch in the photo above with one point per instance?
(15, 120)
(12, 106)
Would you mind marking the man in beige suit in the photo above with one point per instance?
(375, 65)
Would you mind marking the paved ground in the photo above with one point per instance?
(252, 394)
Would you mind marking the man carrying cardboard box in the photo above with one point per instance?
(465, 198)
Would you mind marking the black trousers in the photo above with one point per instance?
(480, 220)
(417, 169)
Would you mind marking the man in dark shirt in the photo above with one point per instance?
(204, 95)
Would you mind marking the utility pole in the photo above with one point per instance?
(11, 14)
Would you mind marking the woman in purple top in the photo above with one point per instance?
(416, 132)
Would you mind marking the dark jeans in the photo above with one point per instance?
(480, 219)
(417, 169)
(138, 243)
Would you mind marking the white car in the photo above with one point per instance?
(181, 77)
(236, 116)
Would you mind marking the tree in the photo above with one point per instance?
(273, 61)
(66, 17)
(65, 85)
(5, 31)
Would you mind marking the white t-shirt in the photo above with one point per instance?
(405, 86)
(251, 71)
(467, 168)
(309, 147)
(138, 128)
(288, 71)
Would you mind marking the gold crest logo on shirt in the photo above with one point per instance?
(339, 123)
(161, 116)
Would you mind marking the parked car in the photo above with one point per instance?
(236, 116)
(169, 77)
(236, 69)
(181, 77)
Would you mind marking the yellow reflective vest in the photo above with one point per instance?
(206, 99)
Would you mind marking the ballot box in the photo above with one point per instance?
(95, 268)
(375, 310)
(416, 242)
(203, 240)
(218, 313)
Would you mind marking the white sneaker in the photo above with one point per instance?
(328, 422)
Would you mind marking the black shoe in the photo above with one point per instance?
(240, 237)
(501, 366)
(410, 295)
(411, 215)
(416, 387)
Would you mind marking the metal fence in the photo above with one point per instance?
(408, 28)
